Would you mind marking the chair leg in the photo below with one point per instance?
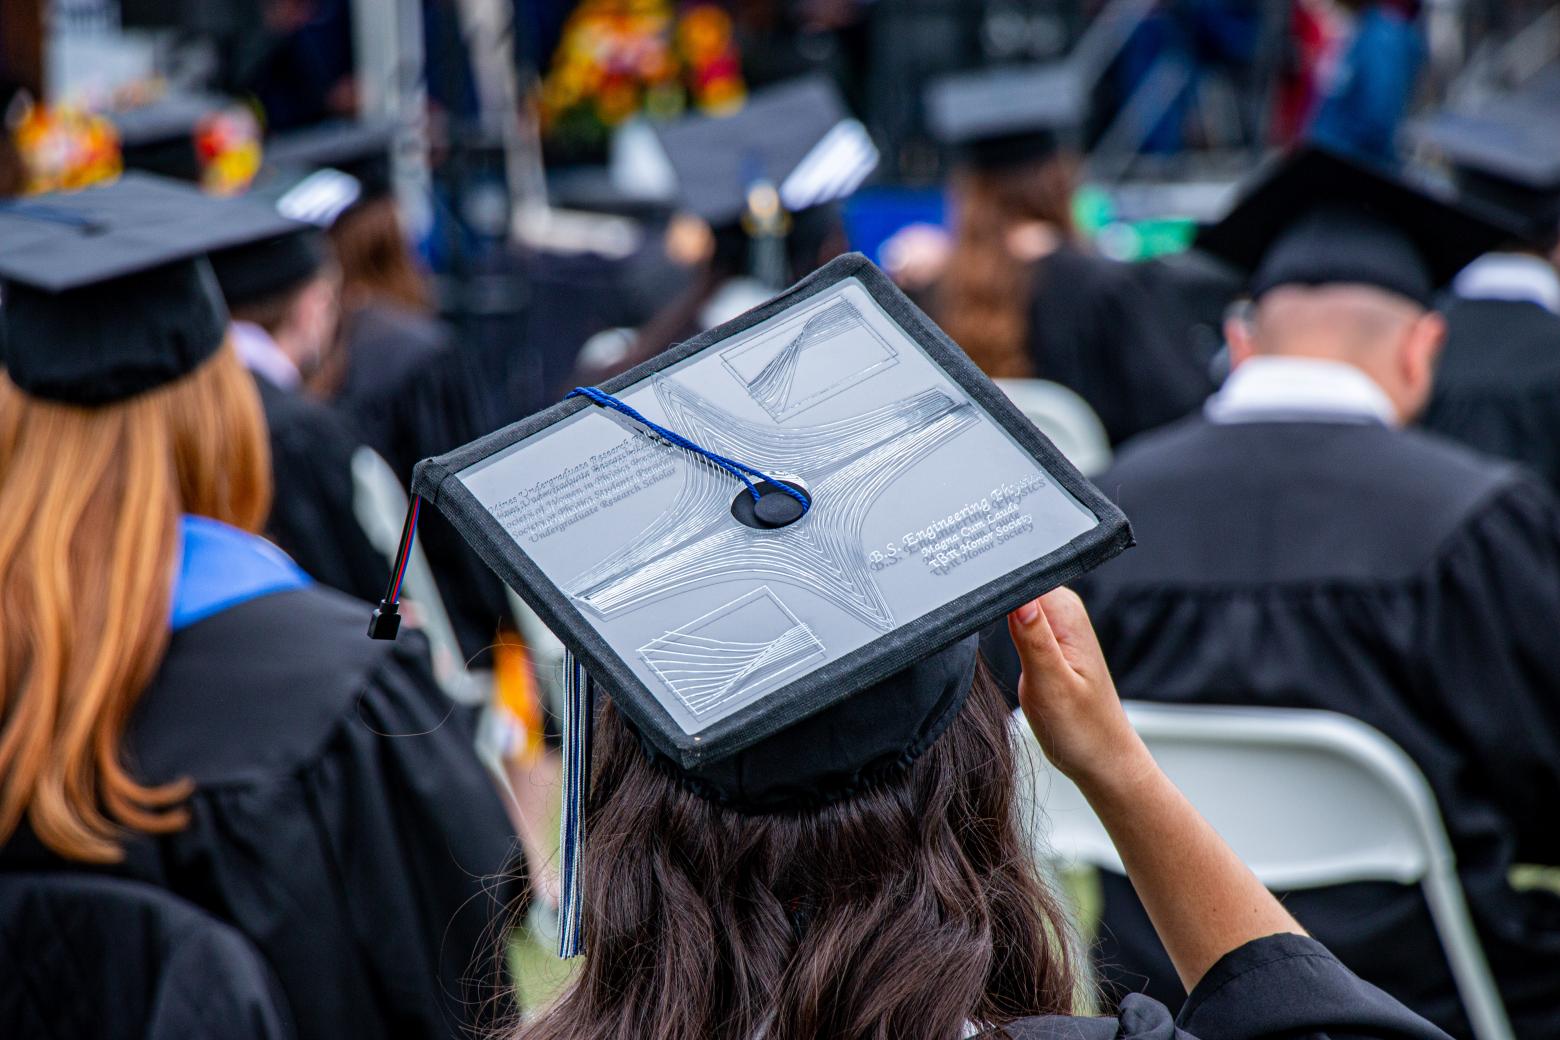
(1465, 954)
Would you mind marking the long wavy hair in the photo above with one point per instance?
(87, 542)
(910, 909)
(983, 299)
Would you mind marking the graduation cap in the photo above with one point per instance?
(311, 200)
(796, 138)
(1316, 218)
(266, 268)
(159, 137)
(107, 292)
(770, 545)
(1009, 115)
(1507, 155)
(362, 150)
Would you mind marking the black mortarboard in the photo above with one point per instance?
(362, 150)
(796, 136)
(1507, 154)
(1006, 116)
(1315, 218)
(267, 267)
(159, 137)
(107, 292)
(898, 503)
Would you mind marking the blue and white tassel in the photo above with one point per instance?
(577, 724)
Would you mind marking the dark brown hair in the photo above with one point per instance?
(376, 262)
(983, 300)
(908, 909)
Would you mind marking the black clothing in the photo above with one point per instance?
(1094, 329)
(1192, 291)
(1387, 575)
(1280, 986)
(1498, 384)
(192, 978)
(108, 292)
(414, 395)
(1317, 217)
(269, 268)
(385, 345)
(1138, 963)
(312, 515)
(340, 818)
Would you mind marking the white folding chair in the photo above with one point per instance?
(380, 504)
(1306, 799)
(1065, 418)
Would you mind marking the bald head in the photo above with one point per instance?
(1389, 337)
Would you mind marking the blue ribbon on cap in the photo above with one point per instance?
(740, 470)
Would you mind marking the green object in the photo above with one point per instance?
(1163, 235)
(1092, 209)
(1095, 214)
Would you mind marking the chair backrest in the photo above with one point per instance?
(90, 956)
(1065, 418)
(1307, 799)
(380, 504)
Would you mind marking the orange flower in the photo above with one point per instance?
(704, 31)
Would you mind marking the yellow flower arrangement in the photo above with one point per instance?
(66, 148)
(618, 58)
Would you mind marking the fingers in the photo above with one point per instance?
(1048, 631)
(1030, 628)
(1070, 623)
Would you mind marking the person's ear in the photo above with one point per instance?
(1420, 351)
(1237, 333)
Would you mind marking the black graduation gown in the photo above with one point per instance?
(1281, 986)
(1094, 329)
(340, 820)
(1387, 575)
(413, 394)
(1498, 383)
(1193, 290)
(194, 978)
(312, 517)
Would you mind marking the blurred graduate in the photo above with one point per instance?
(282, 290)
(758, 193)
(1299, 548)
(180, 704)
(1020, 293)
(1498, 381)
(393, 373)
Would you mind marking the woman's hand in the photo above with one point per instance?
(1202, 899)
(1067, 693)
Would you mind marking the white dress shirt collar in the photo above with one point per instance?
(1299, 389)
(1510, 276)
(260, 354)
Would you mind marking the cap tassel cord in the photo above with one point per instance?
(740, 470)
(578, 722)
(385, 622)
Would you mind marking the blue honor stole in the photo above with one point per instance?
(221, 567)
